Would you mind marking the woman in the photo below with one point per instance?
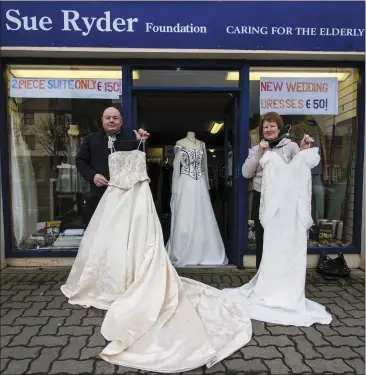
(276, 294)
(270, 128)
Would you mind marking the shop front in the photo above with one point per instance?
(208, 68)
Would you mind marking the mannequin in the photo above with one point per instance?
(69, 180)
(190, 141)
(73, 146)
(254, 137)
(195, 238)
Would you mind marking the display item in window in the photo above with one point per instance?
(195, 238)
(23, 189)
(122, 266)
(69, 179)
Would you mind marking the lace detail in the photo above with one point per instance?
(126, 168)
(192, 162)
(221, 331)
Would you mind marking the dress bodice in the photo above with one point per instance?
(126, 168)
(192, 162)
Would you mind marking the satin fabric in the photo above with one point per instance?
(156, 321)
(276, 294)
(195, 237)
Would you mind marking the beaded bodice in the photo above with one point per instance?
(192, 162)
(126, 168)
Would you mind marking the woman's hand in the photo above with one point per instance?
(306, 142)
(263, 146)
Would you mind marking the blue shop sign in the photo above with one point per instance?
(337, 26)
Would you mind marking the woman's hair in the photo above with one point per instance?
(271, 117)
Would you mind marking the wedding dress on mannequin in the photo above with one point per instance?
(156, 321)
(23, 186)
(195, 238)
(69, 179)
(276, 294)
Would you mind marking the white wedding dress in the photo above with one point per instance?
(23, 186)
(156, 321)
(276, 294)
(195, 237)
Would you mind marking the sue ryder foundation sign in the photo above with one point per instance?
(225, 25)
(299, 96)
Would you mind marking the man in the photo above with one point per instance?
(92, 159)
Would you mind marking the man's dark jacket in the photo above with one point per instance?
(93, 155)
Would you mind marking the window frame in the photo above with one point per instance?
(31, 118)
(128, 65)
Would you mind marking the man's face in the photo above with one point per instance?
(112, 120)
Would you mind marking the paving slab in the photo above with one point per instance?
(42, 334)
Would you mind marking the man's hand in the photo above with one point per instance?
(100, 180)
(141, 134)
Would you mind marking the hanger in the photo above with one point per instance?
(143, 141)
(129, 140)
(285, 134)
(311, 121)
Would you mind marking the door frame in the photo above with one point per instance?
(240, 150)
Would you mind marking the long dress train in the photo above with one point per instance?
(276, 294)
(156, 321)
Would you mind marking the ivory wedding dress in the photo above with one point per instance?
(23, 186)
(276, 294)
(156, 321)
(195, 238)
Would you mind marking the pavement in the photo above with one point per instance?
(42, 334)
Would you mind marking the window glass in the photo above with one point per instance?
(335, 134)
(50, 110)
(185, 78)
(29, 118)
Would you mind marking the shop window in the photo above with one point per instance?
(30, 141)
(335, 134)
(62, 104)
(185, 78)
(29, 118)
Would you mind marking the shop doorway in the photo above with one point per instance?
(212, 117)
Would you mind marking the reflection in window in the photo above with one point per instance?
(29, 118)
(50, 110)
(31, 142)
(336, 137)
(185, 78)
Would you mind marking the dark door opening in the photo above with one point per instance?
(169, 116)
